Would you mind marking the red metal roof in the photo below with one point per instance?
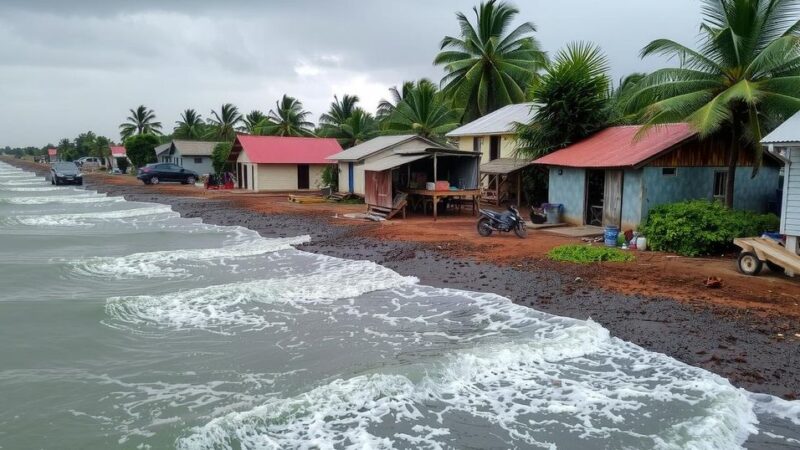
(52, 151)
(619, 147)
(118, 150)
(285, 150)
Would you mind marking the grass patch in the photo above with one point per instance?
(584, 254)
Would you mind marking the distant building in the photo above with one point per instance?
(274, 163)
(615, 177)
(191, 155)
(117, 151)
(494, 134)
(52, 154)
(785, 141)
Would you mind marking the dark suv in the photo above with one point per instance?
(157, 172)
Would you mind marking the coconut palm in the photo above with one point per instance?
(489, 67)
(359, 127)
(253, 122)
(222, 124)
(142, 120)
(572, 98)
(386, 107)
(340, 110)
(288, 119)
(744, 77)
(423, 111)
(191, 126)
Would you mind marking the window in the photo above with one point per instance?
(476, 144)
(198, 160)
(669, 171)
(720, 185)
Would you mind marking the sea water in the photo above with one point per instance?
(123, 325)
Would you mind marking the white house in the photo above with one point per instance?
(784, 141)
(494, 134)
(351, 161)
(192, 155)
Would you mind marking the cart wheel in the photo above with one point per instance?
(775, 268)
(749, 264)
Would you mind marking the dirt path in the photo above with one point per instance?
(748, 331)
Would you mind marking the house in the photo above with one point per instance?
(785, 141)
(276, 163)
(494, 135)
(192, 155)
(353, 160)
(616, 176)
(52, 154)
(117, 151)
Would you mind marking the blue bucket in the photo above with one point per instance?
(610, 236)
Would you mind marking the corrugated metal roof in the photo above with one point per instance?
(285, 150)
(52, 151)
(787, 132)
(162, 148)
(619, 147)
(194, 148)
(376, 145)
(117, 151)
(505, 166)
(391, 161)
(501, 121)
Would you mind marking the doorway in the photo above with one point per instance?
(302, 176)
(595, 192)
(494, 147)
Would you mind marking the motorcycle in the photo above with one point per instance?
(507, 221)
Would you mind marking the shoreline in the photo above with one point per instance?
(742, 347)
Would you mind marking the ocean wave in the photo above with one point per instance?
(161, 263)
(583, 388)
(31, 189)
(86, 219)
(66, 199)
(226, 309)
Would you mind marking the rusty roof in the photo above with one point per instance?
(620, 147)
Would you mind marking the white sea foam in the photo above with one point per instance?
(238, 306)
(66, 199)
(31, 189)
(161, 263)
(777, 407)
(86, 219)
(573, 388)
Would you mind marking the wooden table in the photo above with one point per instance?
(436, 195)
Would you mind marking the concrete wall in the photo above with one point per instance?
(283, 177)
(204, 167)
(568, 188)
(690, 183)
(632, 199)
(358, 178)
(508, 145)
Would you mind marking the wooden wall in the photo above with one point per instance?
(708, 153)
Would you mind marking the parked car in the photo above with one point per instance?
(157, 172)
(89, 161)
(64, 173)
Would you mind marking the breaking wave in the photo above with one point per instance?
(85, 219)
(88, 198)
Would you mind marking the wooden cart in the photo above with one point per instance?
(758, 251)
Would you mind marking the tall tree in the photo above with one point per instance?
(222, 124)
(289, 119)
(386, 107)
(340, 110)
(359, 127)
(572, 99)
(423, 111)
(140, 149)
(744, 78)
(489, 67)
(66, 150)
(191, 126)
(253, 123)
(142, 120)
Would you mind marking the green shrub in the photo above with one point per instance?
(140, 149)
(700, 227)
(330, 177)
(582, 254)
(122, 164)
(219, 156)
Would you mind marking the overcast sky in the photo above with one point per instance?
(73, 66)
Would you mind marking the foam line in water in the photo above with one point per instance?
(82, 219)
(161, 263)
(31, 189)
(66, 199)
(585, 387)
(232, 307)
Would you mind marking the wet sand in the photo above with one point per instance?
(745, 348)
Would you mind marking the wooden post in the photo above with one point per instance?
(519, 187)
(435, 204)
(497, 188)
(435, 168)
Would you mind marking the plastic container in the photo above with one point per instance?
(610, 235)
(442, 185)
(429, 186)
(641, 243)
(553, 212)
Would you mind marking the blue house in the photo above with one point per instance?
(615, 176)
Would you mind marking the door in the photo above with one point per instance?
(239, 175)
(351, 177)
(612, 198)
(244, 178)
(494, 147)
(302, 176)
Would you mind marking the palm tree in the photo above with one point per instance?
(288, 119)
(572, 98)
(359, 127)
(222, 125)
(423, 111)
(142, 120)
(340, 110)
(488, 67)
(744, 77)
(253, 122)
(190, 126)
(386, 107)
